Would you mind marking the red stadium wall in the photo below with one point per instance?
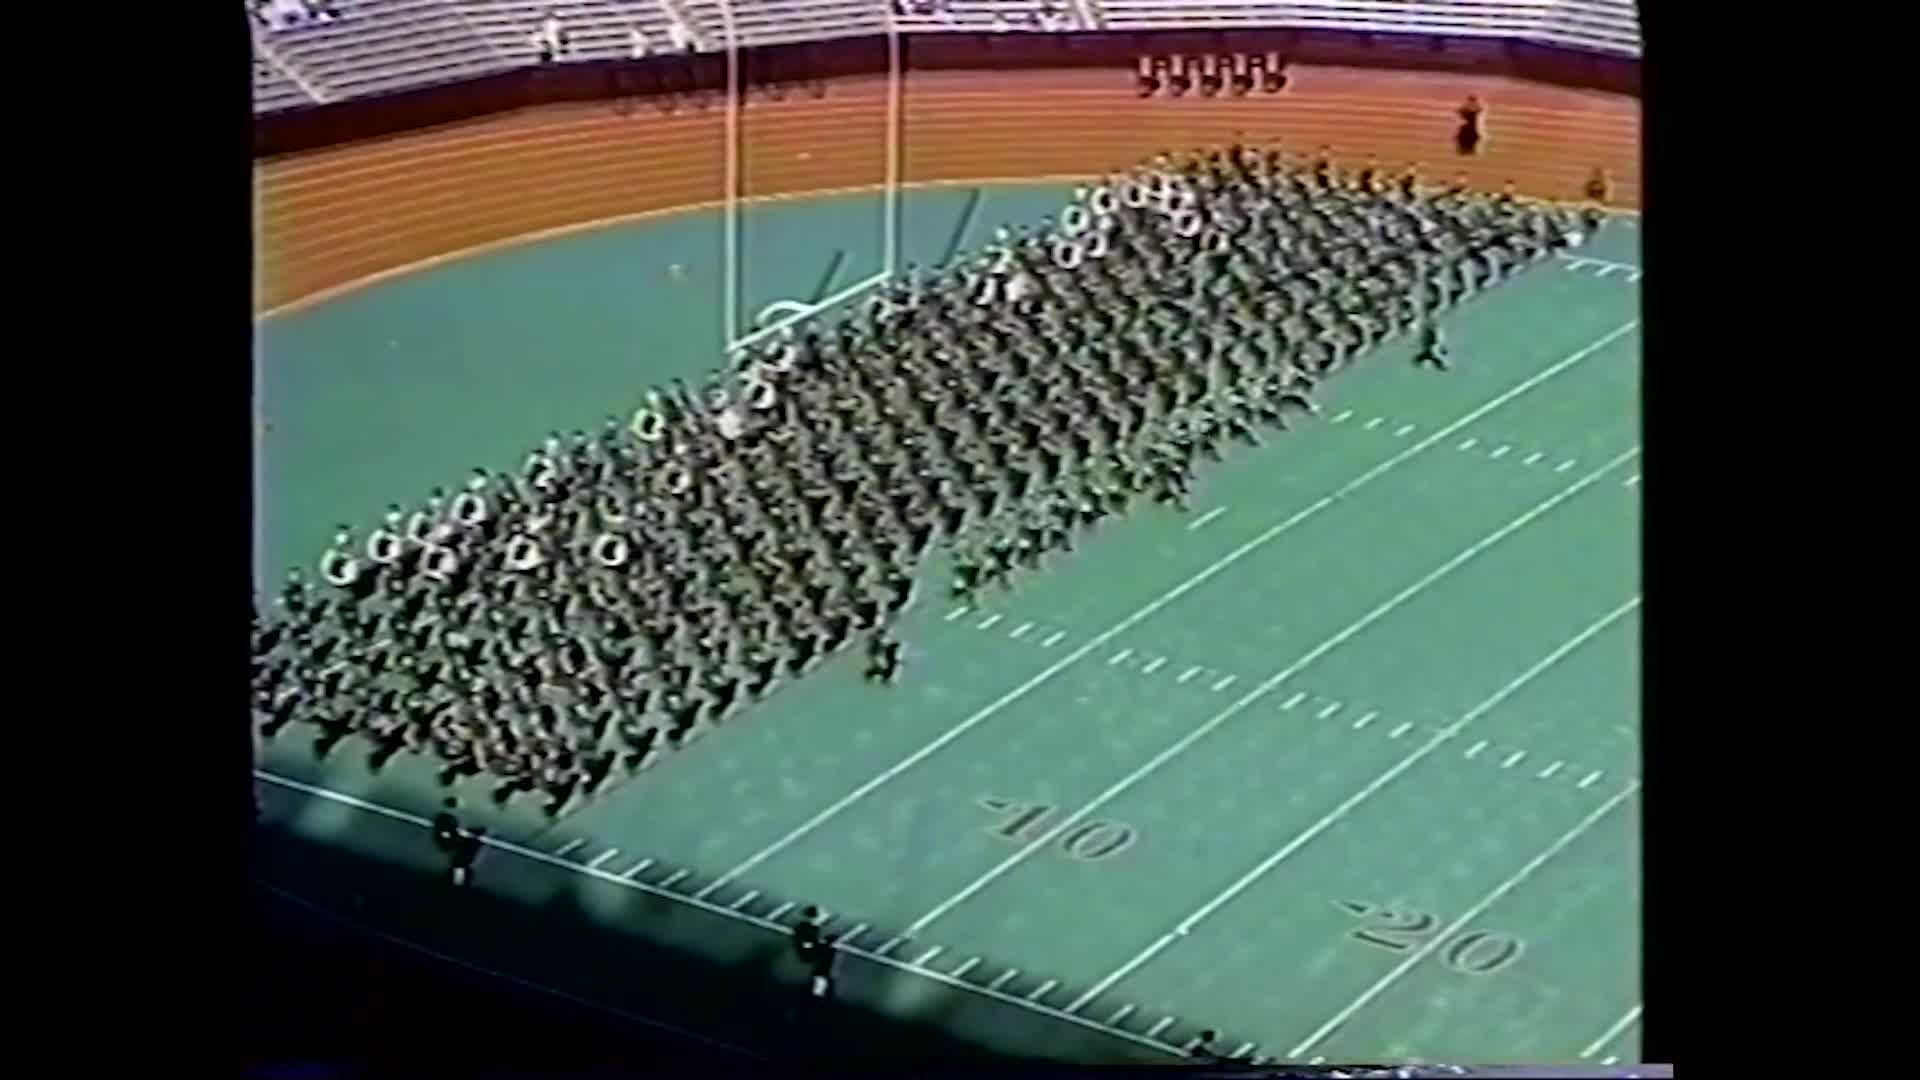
(354, 191)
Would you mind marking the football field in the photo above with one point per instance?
(1341, 763)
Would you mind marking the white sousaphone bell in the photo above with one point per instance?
(339, 568)
(469, 509)
(383, 547)
(524, 554)
(611, 550)
(648, 425)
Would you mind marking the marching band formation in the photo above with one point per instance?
(560, 626)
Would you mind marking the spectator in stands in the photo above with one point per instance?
(321, 11)
(550, 40)
(681, 38)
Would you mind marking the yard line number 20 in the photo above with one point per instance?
(1476, 952)
(1089, 841)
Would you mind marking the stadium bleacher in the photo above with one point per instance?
(381, 45)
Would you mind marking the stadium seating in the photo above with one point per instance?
(272, 88)
(595, 29)
(379, 45)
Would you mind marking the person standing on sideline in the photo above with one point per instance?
(807, 937)
(465, 849)
(446, 827)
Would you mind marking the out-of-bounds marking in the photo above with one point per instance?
(601, 859)
(676, 878)
(636, 868)
(851, 935)
(1205, 574)
(1041, 990)
(1202, 520)
(774, 915)
(1005, 978)
(928, 955)
(1165, 1023)
(749, 897)
(972, 962)
(572, 846)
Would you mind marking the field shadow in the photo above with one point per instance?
(373, 960)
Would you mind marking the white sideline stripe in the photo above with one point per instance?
(1469, 444)
(1533, 457)
(1376, 422)
(1242, 1051)
(956, 613)
(767, 923)
(636, 868)
(1187, 675)
(1005, 977)
(751, 895)
(1551, 769)
(1402, 430)
(1041, 990)
(1474, 750)
(1119, 657)
(1053, 637)
(1501, 452)
(1020, 631)
(1587, 780)
(1466, 917)
(1120, 1014)
(1405, 726)
(669, 883)
(1225, 896)
(1612, 1031)
(1514, 760)
(603, 857)
(858, 929)
(966, 967)
(1165, 1023)
(928, 955)
(1296, 699)
(774, 915)
(1364, 721)
(1168, 597)
(572, 846)
(987, 623)
(1332, 707)
(1153, 665)
(1342, 418)
(1564, 466)
(1224, 683)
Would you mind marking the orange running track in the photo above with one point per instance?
(334, 219)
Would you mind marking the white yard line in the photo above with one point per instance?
(840, 805)
(1466, 917)
(1206, 517)
(1611, 1033)
(1225, 896)
(1267, 685)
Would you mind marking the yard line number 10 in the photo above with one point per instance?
(1089, 841)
